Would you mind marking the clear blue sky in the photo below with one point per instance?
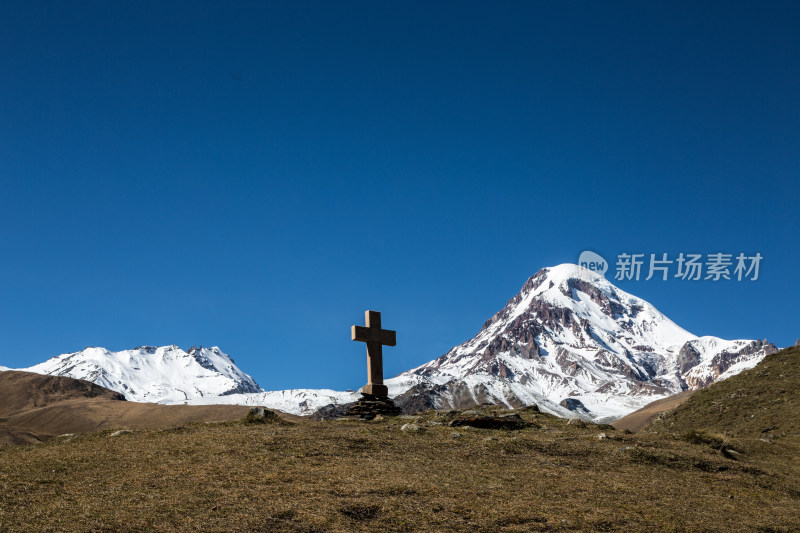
(256, 175)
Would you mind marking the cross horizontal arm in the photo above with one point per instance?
(386, 337)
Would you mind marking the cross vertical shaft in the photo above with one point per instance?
(375, 338)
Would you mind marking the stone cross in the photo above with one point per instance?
(375, 337)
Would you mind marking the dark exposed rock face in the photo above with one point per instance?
(573, 405)
(608, 306)
(533, 283)
(416, 399)
(688, 357)
(329, 412)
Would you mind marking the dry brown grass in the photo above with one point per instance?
(762, 401)
(366, 476)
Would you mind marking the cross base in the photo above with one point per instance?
(375, 389)
(369, 406)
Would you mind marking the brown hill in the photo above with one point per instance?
(20, 391)
(34, 408)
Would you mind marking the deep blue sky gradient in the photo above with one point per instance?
(256, 175)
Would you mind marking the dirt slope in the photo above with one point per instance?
(639, 419)
(20, 391)
(35, 408)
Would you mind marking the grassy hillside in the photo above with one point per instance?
(763, 402)
(367, 476)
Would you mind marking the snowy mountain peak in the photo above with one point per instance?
(578, 307)
(571, 338)
(154, 373)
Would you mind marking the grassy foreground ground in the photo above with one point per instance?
(372, 476)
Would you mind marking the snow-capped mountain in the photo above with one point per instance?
(573, 343)
(570, 342)
(163, 374)
(170, 375)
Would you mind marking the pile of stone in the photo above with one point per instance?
(369, 406)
